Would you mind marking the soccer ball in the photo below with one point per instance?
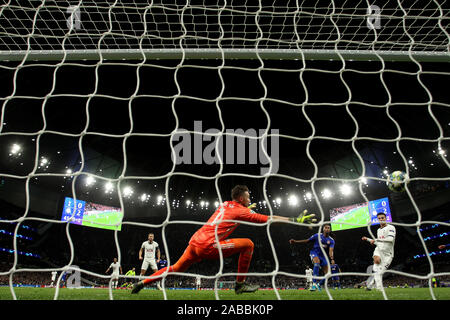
(396, 181)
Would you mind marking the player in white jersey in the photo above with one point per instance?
(150, 248)
(116, 270)
(198, 282)
(54, 273)
(309, 279)
(384, 251)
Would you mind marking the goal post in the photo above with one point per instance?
(237, 29)
(309, 102)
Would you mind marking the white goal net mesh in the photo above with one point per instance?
(147, 114)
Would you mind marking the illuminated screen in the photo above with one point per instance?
(92, 214)
(359, 215)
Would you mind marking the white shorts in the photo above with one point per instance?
(386, 259)
(115, 275)
(149, 262)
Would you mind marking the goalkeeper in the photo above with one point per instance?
(203, 245)
(129, 282)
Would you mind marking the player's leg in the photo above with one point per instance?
(186, 260)
(382, 265)
(316, 270)
(323, 264)
(144, 268)
(374, 280)
(158, 283)
(245, 248)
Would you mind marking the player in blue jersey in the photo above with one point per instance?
(335, 269)
(62, 283)
(162, 263)
(319, 240)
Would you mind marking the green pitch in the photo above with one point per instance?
(25, 293)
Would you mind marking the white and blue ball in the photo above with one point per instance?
(397, 181)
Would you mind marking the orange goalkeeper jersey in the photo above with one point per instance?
(229, 210)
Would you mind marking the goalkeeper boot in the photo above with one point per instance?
(242, 287)
(137, 287)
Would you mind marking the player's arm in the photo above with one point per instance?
(274, 217)
(371, 241)
(291, 241)
(331, 253)
(140, 254)
(387, 240)
(280, 218)
(158, 254)
(107, 270)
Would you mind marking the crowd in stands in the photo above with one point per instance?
(43, 278)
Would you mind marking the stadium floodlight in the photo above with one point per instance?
(44, 162)
(188, 202)
(278, 200)
(15, 150)
(363, 180)
(127, 191)
(293, 200)
(308, 195)
(89, 181)
(216, 204)
(69, 171)
(202, 203)
(144, 197)
(345, 189)
(326, 193)
(109, 187)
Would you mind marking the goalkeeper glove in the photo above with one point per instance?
(252, 206)
(303, 218)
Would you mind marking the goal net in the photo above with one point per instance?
(124, 118)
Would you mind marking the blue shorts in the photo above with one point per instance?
(313, 254)
(335, 278)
